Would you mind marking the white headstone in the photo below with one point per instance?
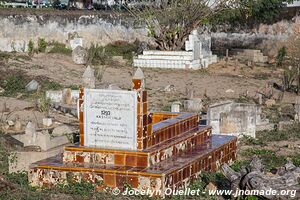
(110, 119)
(30, 131)
(175, 107)
(75, 43)
(194, 45)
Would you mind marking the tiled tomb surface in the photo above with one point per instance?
(172, 150)
(197, 55)
(174, 172)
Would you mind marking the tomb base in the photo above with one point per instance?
(174, 172)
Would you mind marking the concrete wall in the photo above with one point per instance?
(18, 30)
(231, 118)
(100, 28)
(268, 38)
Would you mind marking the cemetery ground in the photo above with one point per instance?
(224, 80)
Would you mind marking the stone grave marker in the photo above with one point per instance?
(110, 119)
(89, 77)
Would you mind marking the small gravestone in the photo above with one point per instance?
(193, 105)
(30, 131)
(75, 42)
(175, 107)
(67, 96)
(89, 78)
(32, 86)
(18, 124)
(47, 122)
(80, 55)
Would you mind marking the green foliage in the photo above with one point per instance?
(73, 87)
(21, 58)
(121, 49)
(247, 140)
(279, 135)
(250, 13)
(296, 159)
(243, 99)
(50, 85)
(214, 177)
(269, 158)
(273, 114)
(83, 188)
(31, 47)
(166, 107)
(238, 164)
(251, 198)
(44, 104)
(4, 56)
(59, 48)
(4, 153)
(13, 84)
(42, 45)
(289, 76)
(98, 55)
(280, 56)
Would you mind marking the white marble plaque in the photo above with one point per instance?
(110, 119)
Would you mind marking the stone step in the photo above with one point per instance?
(166, 57)
(146, 158)
(174, 64)
(172, 173)
(175, 53)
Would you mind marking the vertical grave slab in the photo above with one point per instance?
(110, 119)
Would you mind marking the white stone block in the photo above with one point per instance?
(47, 122)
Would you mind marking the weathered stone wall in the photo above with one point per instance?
(103, 28)
(268, 38)
(229, 118)
(18, 30)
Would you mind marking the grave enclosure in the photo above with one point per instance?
(197, 55)
(121, 143)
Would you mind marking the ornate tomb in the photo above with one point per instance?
(122, 144)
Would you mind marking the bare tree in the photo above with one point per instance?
(171, 23)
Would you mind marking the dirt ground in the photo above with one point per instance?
(220, 81)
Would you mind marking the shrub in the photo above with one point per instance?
(42, 45)
(60, 48)
(13, 84)
(121, 48)
(30, 47)
(280, 56)
(98, 55)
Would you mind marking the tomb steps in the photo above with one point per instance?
(168, 53)
(164, 63)
(148, 157)
(170, 173)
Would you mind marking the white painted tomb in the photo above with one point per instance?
(197, 55)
